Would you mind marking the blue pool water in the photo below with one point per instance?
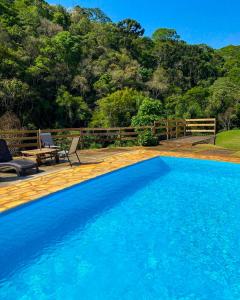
(167, 228)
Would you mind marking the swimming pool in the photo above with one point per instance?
(166, 228)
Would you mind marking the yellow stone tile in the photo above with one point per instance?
(39, 186)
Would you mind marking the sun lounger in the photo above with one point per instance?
(20, 165)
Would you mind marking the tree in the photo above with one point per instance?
(14, 94)
(80, 84)
(223, 94)
(131, 27)
(187, 65)
(129, 31)
(165, 34)
(224, 101)
(104, 85)
(149, 111)
(96, 15)
(44, 48)
(66, 47)
(60, 16)
(72, 108)
(117, 109)
(159, 83)
(192, 104)
(227, 118)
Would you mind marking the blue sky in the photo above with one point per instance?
(213, 22)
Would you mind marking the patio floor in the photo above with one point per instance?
(15, 191)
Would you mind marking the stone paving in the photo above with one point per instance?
(30, 189)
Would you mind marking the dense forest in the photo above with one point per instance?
(71, 68)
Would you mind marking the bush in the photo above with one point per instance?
(95, 145)
(147, 138)
(118, 144)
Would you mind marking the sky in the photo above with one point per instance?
(216, 23)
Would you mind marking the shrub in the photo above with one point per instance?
(147, 138)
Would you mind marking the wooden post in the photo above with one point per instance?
(215, 131)
(81, 139)
(39, 139)
(167, 129)
(176, 129)
(185, 127)
(120, 138)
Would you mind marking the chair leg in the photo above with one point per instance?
(21, 173)
(78, 157)
(69, 160)
(18, 173)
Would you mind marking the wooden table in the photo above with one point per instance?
(41, 154)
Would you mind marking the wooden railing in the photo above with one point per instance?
(201, 126)
(170, 128)
(24, 139)
(163, 129)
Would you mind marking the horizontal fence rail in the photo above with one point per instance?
(25, 139)
(162, 129)
(170, 128)
(201, 126)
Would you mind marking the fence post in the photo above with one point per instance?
(81, 139)
(167, 129)
(215, 131)
(185, 127)
(39, 139)
(176, 129)
(120, 137)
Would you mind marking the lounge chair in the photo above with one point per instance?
(73, 150)
(20, 165)
(47, 140)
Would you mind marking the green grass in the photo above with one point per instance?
(229, 139)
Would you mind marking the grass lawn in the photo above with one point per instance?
(229, 139)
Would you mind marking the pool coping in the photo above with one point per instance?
(15, 208)
(27, 191)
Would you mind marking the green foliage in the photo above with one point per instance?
(77, 66)
(190, 105)
(223, 94)
(149, 111)
(131, 27)
(61, 17)
(165, 34)
(147, 138)
(117, 109)
(73, 108)
(13, 94)
(104, 85)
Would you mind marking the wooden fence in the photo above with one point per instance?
(170, 128)
(25, 139)
(201, 126)
(163, 129)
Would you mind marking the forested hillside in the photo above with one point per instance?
(61, 68)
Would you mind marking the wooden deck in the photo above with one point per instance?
(189, 141)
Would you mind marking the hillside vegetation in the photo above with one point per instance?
(61, 68)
